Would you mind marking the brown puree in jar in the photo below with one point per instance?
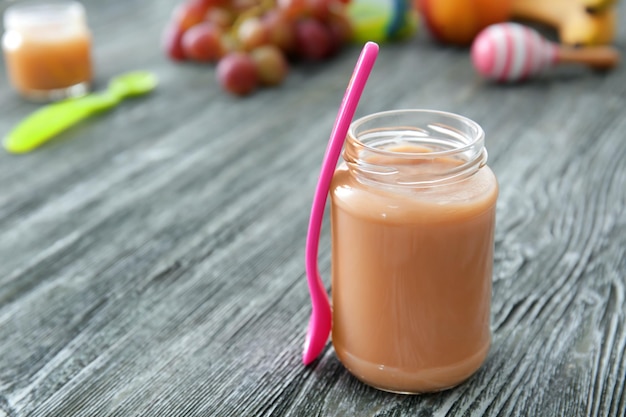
(411, 276)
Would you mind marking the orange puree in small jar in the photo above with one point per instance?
(47, 49)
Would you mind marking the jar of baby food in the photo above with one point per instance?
(47, 49)
(412, 224)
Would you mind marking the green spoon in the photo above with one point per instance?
(48, 121)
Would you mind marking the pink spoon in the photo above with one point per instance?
(321, 316)
(512, 52)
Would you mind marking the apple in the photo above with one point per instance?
(457, 22)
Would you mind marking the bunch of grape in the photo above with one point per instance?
(253, 41)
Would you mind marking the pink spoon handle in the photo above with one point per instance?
(317, 337)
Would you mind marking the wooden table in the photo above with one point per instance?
(151, 258)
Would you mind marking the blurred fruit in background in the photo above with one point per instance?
(457, 22)
(253, 41)
(577, 22)
(259, 39)
(382, 20)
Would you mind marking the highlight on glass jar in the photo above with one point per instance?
(412, 219)
(47, 49)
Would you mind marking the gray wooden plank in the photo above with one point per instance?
(152, 258)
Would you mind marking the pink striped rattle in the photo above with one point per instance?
(507, 52)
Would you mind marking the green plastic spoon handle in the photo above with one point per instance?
(53, 119)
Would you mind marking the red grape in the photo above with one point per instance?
(237, 73)
(241, 6)
(340, 24)
(190, 13)
(220, 17)
(340, 30)
(271, 64)
(293, 8)
(319, 9)
(172, 44)
(280, 30)
(202, 42)
(185, 15)
(313, 39)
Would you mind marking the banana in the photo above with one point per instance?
(574, 20)
(596, 6)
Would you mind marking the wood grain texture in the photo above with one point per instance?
(152, 257)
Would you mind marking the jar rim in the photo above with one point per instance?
(477, 136)
(42, 12)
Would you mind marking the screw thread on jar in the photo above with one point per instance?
(388, 148)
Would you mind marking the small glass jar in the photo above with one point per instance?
(412, 223)
(47, 49)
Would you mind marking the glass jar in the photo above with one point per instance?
(412, 223)
(47, 49)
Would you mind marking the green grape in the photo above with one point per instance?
(271, 64)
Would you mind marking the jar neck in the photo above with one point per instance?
(414, 149)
